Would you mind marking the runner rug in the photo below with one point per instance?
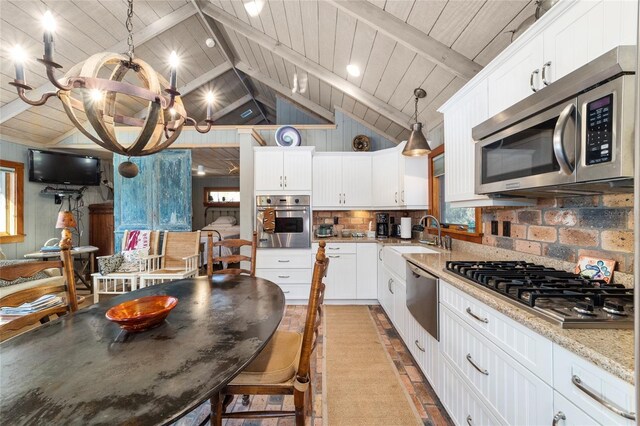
(362, 386)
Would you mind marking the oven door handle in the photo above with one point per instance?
(558, 143)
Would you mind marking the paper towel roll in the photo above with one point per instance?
(405, 227)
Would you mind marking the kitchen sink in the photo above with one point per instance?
(413, 249)
(393, 260)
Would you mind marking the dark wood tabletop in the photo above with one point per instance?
(83, 369)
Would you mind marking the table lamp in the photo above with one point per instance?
(66, 221)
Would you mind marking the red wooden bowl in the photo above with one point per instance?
(143, 313)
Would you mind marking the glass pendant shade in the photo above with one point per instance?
(417, 144)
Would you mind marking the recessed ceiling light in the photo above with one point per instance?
(353, 70)
(246, 114)
(210, 42)
(254, 7)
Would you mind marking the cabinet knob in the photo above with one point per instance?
(559, 416)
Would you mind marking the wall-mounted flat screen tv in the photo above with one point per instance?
(63, 169)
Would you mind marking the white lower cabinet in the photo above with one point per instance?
(567, 414)
(400, 312)
(350, 275)
(290, 269)
(366, 275)
(425, 351)
(514, 394)
(341, 277)
(462, 404)
(606, 398)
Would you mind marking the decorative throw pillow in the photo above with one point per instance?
(109, 264)
(132, 259)
(37, 276)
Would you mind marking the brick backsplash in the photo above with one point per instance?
(359, 219)
(566, 228)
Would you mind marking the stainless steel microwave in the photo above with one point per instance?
(574, 137)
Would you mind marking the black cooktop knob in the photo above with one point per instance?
(296, 201)
(268, 200)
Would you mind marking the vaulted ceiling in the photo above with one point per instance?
(296, 49)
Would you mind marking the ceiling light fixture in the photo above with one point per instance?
(201, 170)
(254, 7)
(81, 90)
(353, 70)
(417, 144)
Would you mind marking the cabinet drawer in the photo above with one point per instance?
(571, 373)
(514, 394)
(337, 248)
(567, 414)
(529, 348)
(288, 259)
(462, 404)
(299, 292)
(285, 276)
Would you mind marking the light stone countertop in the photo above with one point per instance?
(610, 349)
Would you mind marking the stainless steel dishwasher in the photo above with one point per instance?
(423, 299)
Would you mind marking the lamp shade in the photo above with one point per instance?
(66, 220)
(417, 144)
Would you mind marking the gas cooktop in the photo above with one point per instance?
(564, 298)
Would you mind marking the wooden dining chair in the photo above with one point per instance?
(27, 269)
(284, 365)
(231, 244)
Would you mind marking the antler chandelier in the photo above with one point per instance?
(82, 90)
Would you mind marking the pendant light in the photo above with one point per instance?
(417, 144)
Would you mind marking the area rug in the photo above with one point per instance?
(361, 385)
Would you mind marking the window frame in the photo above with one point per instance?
(434, 193)
(18, 237)
(208, 189)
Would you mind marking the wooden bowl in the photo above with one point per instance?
(143, 313)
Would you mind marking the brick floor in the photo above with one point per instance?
(422, 394)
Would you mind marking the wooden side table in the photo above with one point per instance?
(76, 252)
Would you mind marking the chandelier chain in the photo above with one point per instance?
(416, 110)
(129, 25)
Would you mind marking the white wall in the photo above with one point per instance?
(40, 211)
(287, 113)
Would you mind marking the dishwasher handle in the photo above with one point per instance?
(419, 272)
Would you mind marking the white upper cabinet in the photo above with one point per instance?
(342, 180)
(414, 176)
(282, 169)
(386, 178)
(570, 35)
(356, 182)
(507, 84)
(586, 31)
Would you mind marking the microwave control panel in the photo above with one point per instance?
(599, 141)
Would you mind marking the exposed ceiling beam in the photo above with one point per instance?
(307, 65)
(368, 125)
(410, 37)
(266, 102)
(17, 106)
(231, 107)
(255, 120)
(218, 37)
(286, 92)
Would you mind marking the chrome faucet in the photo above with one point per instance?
(434, 219)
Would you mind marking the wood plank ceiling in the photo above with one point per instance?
(318, 39)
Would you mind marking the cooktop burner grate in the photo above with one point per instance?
(561, 296)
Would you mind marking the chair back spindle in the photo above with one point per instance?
(233, 258)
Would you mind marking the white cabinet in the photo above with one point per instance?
(386, 178)
(464, 406)
(425, 350)
(595, 391)
(584, 32)
(385, 293)
(342, 180)
(508, 83)
(514, 394)
(282, 169)
(567, 414)
(400, 311)
(341, 277)
(414, 181)
(367, 275)
(290, 269)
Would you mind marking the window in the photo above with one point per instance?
(459, 222)
(11, 202)
(222, 197)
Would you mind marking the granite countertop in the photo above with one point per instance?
(385, 242)
(610, 349)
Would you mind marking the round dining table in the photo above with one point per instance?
(83, 369)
